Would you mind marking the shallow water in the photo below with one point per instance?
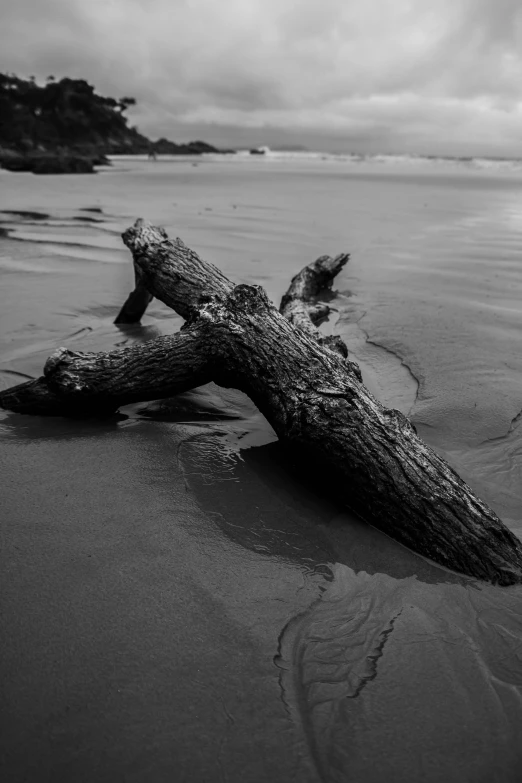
(175, 596)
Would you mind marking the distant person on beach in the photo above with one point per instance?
(152, 154)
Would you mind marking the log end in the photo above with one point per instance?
(142, 235)
(314, 279)
(300, 306)
(325, 269)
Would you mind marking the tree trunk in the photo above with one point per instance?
(303, 384)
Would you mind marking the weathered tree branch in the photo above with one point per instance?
(306, 389)
(300, 306)
(87, 384)
(172, 272)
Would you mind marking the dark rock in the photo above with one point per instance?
(62, 164)
(166, 147)
(12, 161)
(200, 147)
(101, 160)
(51, 163)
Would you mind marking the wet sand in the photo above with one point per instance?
(178, 603)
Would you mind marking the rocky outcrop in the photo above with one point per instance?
(51, 163)
(166, 147)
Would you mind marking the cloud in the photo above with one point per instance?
(412, 74)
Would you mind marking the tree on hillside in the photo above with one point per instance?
(65, 113)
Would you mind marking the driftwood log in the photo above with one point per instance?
(304, 384)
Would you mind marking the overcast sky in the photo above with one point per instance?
(428, 76)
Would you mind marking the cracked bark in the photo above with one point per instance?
(87, 384)
(304, 385)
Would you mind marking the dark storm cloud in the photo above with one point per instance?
(408, 74)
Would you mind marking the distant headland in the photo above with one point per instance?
(66, 127)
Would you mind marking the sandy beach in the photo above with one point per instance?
(178, 602)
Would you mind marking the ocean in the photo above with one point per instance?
(174, 596)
